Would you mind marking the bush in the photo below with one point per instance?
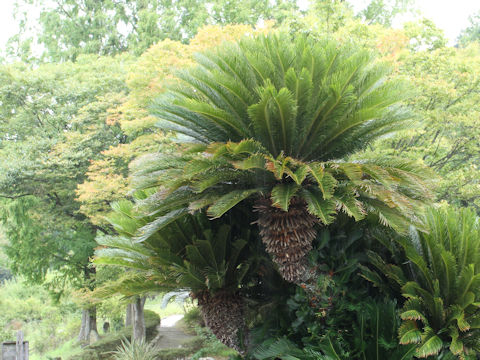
(194, 318)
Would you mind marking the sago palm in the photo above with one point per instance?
(208, 258)
(441, 284)
(274, 120)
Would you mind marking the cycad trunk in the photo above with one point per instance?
(287, 236)
(224, 314)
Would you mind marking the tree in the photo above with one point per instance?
(70, 27)
(446, 101)
(471, 32)
(384, 11)
(314, 103)
(424, 35)
(53, 125)
(106, 179)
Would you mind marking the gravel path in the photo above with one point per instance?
(170, 335)
(171, 320)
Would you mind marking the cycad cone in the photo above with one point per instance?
(288, 236)
(224, 314)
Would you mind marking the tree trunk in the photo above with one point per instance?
(139, 329)
(84, 328)
(129, 316)
(93, 335)
(89, 326)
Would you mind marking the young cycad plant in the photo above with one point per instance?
(208, 258)
(441, 284)
(135, 350)
(275, 120)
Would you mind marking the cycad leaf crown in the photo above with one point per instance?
(312, 100)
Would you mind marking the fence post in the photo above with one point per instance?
(19, 346)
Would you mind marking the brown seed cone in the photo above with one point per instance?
(287, 235)
(224, 314)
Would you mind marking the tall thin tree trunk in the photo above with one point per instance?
(139, 329)
(93, 335)
(88, 328)
(83, 336)
(129, 315)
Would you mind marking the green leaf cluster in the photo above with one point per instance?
(439, 284)
(190, 252)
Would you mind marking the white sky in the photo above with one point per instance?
(451, 16)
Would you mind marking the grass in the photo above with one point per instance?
(65, 351)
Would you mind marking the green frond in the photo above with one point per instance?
(431, 345)
(299, 174)
(228, 201)
(324, 179)
(273, 80)
(409, 333)
(412, 315)
(323, 209)
(159, 223)
(348, 202)
(282, 194)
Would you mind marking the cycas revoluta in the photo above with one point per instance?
(209, 258)
(275, 120)
(441, 284)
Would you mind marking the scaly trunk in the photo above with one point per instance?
(224, 314)
(139, 329)
(288, 236)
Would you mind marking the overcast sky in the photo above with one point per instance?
(451, 16)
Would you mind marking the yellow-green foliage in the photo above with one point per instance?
(46, 325)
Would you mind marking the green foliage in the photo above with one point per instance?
(102, 349)
(210, 345)
(424, 35)
(384, 11)
(135, 350)
(314, 103)
(374, 333)
(471, 32)
(439, 284)
(54, 123)
(193, 318)
(111, 27)
(446, 102)
(191, 252)
(46, 324)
